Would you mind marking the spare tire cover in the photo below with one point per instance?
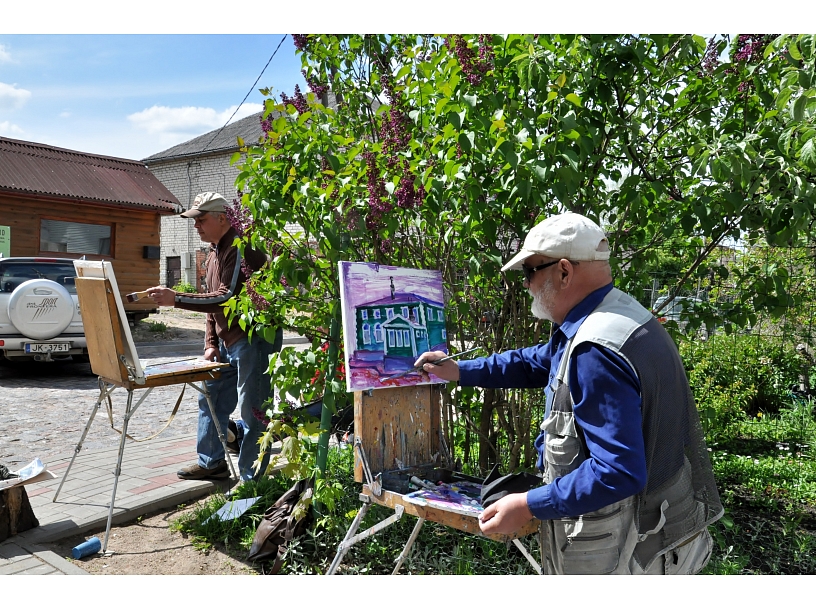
(40, 309)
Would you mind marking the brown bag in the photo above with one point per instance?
(279, 526)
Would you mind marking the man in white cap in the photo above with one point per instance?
(246, 382)
(627, 483)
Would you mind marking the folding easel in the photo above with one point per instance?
(113, 358)
(397, 432)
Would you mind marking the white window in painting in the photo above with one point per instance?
(378, 333)
(364, 314)
(406, 338)
(430, 315)
(444, 334)
(440, 315)
(390, 338)
(405, 312)
(389, 313)
(416, 314)
(399, 338)
(377, 314)
(366, 334)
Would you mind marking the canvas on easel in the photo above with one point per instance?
(391, 315)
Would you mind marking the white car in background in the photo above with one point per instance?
(39, 311)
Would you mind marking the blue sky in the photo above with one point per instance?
(134, 95)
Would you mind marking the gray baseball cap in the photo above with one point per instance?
(205, 202)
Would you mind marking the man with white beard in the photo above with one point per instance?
(627, 483)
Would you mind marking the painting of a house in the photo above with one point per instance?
(390, 316)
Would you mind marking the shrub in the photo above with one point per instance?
(184, 287)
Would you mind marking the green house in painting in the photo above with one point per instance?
(400, 326)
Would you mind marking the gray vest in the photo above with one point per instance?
(680, 498)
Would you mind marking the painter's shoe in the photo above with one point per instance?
(197, 472)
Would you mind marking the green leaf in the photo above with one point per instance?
(540, 172)
(571, 97)
(471, 100)
(561, 80)
(799, 105)
(793, 49)
(466, 141)
(808, 154)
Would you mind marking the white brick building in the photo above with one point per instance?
(198, 165)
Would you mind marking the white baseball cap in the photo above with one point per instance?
(567, 235)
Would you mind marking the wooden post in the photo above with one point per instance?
(16, 514)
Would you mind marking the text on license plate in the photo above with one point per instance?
(44, 348)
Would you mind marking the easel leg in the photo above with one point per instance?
(118, 470)
(203, 389)
(411, 539)
(527, 554)
(104, 392)
(341, 548)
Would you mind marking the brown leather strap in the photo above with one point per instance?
(141, 440)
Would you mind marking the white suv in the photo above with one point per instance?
(39, 310)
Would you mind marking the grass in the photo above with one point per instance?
(765, 473)
(767, 480)
(156, 327)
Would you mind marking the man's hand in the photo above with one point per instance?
(211, 354)
(162, 296)
(505, 516)
(447, 370)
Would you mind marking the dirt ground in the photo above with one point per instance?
(149, 546)
(180, 325)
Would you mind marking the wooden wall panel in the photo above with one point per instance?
(396, 424)
(132, 230)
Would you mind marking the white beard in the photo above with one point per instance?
(543, 301)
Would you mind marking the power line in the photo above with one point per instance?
(248, 92)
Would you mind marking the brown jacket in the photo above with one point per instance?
(225, 278)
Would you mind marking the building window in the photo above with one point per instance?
(378, 333)
(399, 338)
(366, 334)
(376, 314)
(390, 338)
(75, 237)
(444, 335)
(406, 338)
(440, 315)
(389, 313)
(416, 314)
(430, 315)
(364, 314)
(405, 312)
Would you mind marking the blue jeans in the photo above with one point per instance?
(247, 384)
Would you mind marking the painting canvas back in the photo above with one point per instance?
(390, 316)
(104, 269)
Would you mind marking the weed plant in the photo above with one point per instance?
(156, 327)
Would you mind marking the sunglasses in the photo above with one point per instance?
(529, 271)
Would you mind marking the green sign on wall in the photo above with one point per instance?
(5, 241)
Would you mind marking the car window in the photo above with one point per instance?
(12, 274)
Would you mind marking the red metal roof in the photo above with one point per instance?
(31, 168)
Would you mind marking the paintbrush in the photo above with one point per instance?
(135, 296)
(414, 369)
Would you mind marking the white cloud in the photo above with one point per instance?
(64, 115)
(5, 56)
(190, 120)
(11, 97)
(9, 129)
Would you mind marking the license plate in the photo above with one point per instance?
(44, 348)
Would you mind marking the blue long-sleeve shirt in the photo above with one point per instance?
(606, 397)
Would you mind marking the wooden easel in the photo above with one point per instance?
(396, 429)
(113, 358)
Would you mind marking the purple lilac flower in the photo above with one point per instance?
(239, 217)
